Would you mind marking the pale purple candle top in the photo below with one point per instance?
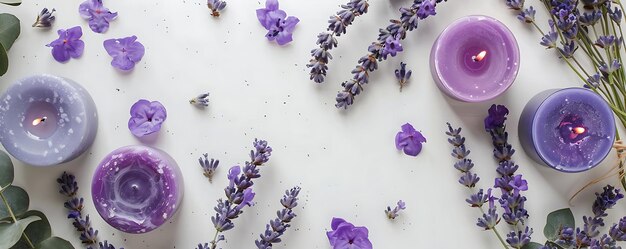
(47, 120)
(475, 59)
(137, 188)
(570, 129)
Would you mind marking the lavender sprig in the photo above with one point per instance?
(395, 212)
(388, 41)
(209, 167)
(216, 6)
(403, 75)
(327, 40)
(88, 235)
(44, 19)
(202, 100)
(278, 226)
(238, 192)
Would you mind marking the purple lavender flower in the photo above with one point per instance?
(606, 200)
(605, 41)
(518, 183)
(590, 18)
(515, 4)
(618, 231)
(146, 117)
(392, 47)
(238, 192)
(74, 205)
(549, 40)
(97, 15)
(395, 212)
(346, 236)
(616, 15)
(568, 49)
(489, 219)
(528, 15)
(216, 6)
(275, 21)
(68, 45)
(593, 81)
(44, 19)
(327, 40)
(202, 100)
(607, 70)
(520, 238)
(496, 117)
(402, 75)
(378, 51)
(209, 167)
(279, 225)
(125, 52)
(409, 140)
(427, 8)
(566, 237)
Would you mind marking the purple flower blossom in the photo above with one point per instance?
(346, 236)
(496, 117)
(515, 4)
(395, 212)
(402, 75)
(44, 19)
(489, 219)
(409, 140)
(616, 15)
(607, 70)
(518, 183)
(202, 100)
(618, 231)
(279, 225)
(549, 40)
(605, 41)
(478, 199)
(520, 238)
(146, 117)
(275, 21)
(208, 167)
(427, 8)
(97, 15)
(68, 45)
(594, 81)
(606, 200)
(216, 6)
(392, 47)
(568, 49)
(528, 15)
(125, 52)
(590, 18)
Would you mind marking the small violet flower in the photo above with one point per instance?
(518, 183)
(216, 6)
(146, 117)
(402, 75)
(69, 45)
(392, 47)
(44, 19)
(209, 167)
(125, 52)
(605, 41)
(346, 236)
(496, 117)
(515, 4)
(426, 8)
(97, 15)
(607, 70)
(279, 27)
(594, 81)
(393, 213)
(409, 140)
(528, 15)
(202, 100)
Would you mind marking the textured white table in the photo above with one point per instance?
(346, 162)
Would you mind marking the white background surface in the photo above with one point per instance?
(345, 161)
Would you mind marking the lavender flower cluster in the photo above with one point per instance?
(208, 166)
(510, 184)
(88, 235)
(388, 44)
(238, 192)
(216, 6)
(279, 225)
(327, 40)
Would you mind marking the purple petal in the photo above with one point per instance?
(122, 63)
(77, 48)
(233, 172)
(146, 117)
(408, 128)
(400, 137)
(74, 33)
(334, 224)
(412, 149)
(84, 9)
(60, 54)
(283, 38)
(290, 24)
(98, 24)
(271, 4)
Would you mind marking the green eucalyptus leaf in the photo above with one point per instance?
(37, 231)
(553, 245)
(10, 233)
(9, 29)
(4, 60)
(11, 2)
(556, 220)
(17, 199)
(6, 169)
(54, 243)
(532, 245)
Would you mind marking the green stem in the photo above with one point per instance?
(6, 204)
(213, 242)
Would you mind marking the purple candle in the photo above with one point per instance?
(47, 120)
(570, 129)
(475, 59)
(137, 188)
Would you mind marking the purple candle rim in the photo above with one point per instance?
(534, 125)
(445, 86)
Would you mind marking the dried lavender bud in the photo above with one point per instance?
(44, 19)
(395, 212)
(216, 6)
(402, 75)
(209, 167)
(202, 100)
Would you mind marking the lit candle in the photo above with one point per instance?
(475, 59)
(47, 120)
(136, 189)
(570, 129)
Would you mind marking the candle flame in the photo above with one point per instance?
(578, 130)
(39, 121)
(480, 56)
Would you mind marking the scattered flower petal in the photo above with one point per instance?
(125, 52)
(68, 45)
(409, 140)
(146, 117)
(275, 21)
(97, 15)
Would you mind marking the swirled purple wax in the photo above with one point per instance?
(476, 58)
(570, 129)
(136, 188)
(47, 120)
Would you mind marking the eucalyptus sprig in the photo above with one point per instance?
(20, 227)
(9, 31)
